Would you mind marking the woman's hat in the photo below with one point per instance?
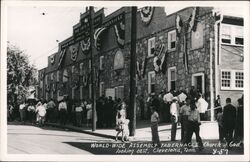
(174, 99)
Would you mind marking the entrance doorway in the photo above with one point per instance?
(198, 82)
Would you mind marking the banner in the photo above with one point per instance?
(97, 37)
(147, 14)
(193, 20)
(61, 57)
(179, 25)
(120, 33)
(74, 51)
(85, 45)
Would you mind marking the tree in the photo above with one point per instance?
(20, 75)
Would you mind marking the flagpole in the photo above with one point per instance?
(93, 91)
(132, 97)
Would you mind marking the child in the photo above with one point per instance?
(154, 126)
(120, 126)
(126, 130)
(219, 120)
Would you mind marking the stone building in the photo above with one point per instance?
(191, 47)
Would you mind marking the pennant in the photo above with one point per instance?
(61, 57)
(185, 56)
(85, 45)
(74, 51)
(97, 37)
(120, 33)
(164, 63)
(193, 20)
(179, 25)
(146, 14)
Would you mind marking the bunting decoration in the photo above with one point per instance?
(179, 25)
(52, 59)
(193, 20)
(97, 37)
(120, 33)
(157, 61)
(47, 88)
(163, 65)
(61, 57)
(54, 87)
(85, 45)
(74, 51)
(146, 14)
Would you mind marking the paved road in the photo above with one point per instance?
(24, 139)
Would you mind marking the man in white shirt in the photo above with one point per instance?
(62, 112)
(167, 98)
(174, 111)
(202, 106)
(182, 97)
(22, 110)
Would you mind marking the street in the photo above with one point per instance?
(28, 139)
(24, 139)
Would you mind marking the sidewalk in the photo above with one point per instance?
(208, 130)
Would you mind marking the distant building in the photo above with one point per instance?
(173, 52)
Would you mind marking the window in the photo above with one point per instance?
(73, 69)
(239, 78)
(226, 34)
(151, 47)
(232, 80)
(89, 64)
(151, 82)
(172, 78)
(101, 62)
(58, 94)
(81, 92)
(101, 88)
(172, 40)
(90, 91)
(52, 94)
(52, 76)
(226, 79)
(232, 34)
(57, 76)
(46, 79)
(119, 92)
(81, 68)
(73, 93)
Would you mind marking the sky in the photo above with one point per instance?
(37, 29)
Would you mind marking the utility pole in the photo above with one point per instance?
(132, 97)
(93, 91)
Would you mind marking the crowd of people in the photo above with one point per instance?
(175, 107)
(188, 109)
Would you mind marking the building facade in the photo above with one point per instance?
(191, 47)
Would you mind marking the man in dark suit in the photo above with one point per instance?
(228, 120)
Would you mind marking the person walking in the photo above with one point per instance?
(154, 126)
(41, 111)
(184, 113)
(239, 121)
(202, 106)
(31, 113)
(62, 112)
(120, 121)
(228, 120)
(194, 126)
(174, 109)
(51, 110)
(167, 98)
(78, 112)
(22, 111)
(220, 126)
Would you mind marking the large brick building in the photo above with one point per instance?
(192, 46)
